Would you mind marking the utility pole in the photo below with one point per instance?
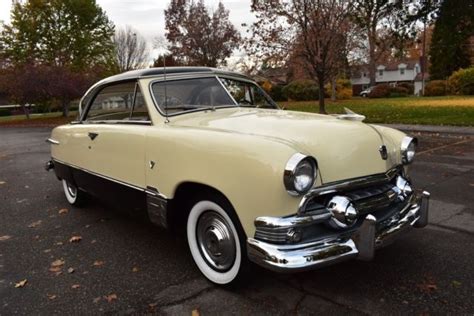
(423, 57)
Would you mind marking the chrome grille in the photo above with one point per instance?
(373, 198)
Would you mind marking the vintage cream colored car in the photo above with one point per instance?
(210, 152)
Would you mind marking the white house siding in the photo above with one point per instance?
(361, 81)
(395, 76)
(418, 85)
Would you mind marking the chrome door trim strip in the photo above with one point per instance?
(100, 175)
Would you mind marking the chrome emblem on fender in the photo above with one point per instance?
(383, 152)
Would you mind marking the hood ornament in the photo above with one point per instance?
(350, 116)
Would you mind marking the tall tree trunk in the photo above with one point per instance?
(322, 108)
(333, 89)
(372, 61)
(26, 111)
(65, 105)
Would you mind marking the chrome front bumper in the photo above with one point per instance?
(361, 244)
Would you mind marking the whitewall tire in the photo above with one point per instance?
(214, 242)
(73, 195)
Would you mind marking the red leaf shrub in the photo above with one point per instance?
(435, 88)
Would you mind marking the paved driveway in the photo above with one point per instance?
(123, 265)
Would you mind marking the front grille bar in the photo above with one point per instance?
(349, 185)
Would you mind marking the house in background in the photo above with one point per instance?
(392, 73)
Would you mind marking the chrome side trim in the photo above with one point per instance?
(157, 207)
(350, 184)
(100, 175)
(52, 141)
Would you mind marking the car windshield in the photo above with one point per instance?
(176, 96)
(209, 93)
(247, 94)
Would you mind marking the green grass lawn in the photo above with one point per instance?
(53, 118)
(449, 110)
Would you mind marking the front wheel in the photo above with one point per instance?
(213, 238)
(73, 195)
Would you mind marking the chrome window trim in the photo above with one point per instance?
(289, 172)
(265, 94)
(186, 77)
(96, 89)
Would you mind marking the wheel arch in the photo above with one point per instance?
(188, 192)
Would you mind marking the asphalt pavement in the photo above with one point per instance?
(100, 260)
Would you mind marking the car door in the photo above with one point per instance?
(116, 123)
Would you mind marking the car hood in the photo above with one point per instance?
(344, 149)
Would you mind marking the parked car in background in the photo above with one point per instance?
(365, 93)
(210, 152)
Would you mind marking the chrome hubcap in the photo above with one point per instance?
(216, 241)
(71, 190)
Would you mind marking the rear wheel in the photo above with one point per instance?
(73, 195)
(216, 241)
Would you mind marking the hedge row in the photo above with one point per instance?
(307, 90)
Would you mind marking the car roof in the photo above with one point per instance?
(159, 71)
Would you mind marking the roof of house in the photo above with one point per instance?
(391, 66)
(278, 75)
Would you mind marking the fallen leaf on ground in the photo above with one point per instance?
(58, 263)
(96, 300)
(428, 285)
(110, 297)
(195, 312)
(63, 211)
(135, 269)
(98, 263)
(456, 283)
(35, 224)
(59, 243)
(22, 283)
(70, 270)
(93, 241)
(75, 286)
(47, 250)
(6, 237)
(55, 269)
(75, 239)
(2, 182)
(471, 184)
(51, 296)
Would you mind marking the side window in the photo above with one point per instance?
(139, 111)
(118, 103)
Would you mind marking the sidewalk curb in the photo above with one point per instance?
(464, 130)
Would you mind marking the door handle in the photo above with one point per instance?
(92, 135)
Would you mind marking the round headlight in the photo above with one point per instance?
(408, 149)
(300, 174)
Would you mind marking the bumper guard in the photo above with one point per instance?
(360, 245)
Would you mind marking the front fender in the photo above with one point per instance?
(247, 169)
